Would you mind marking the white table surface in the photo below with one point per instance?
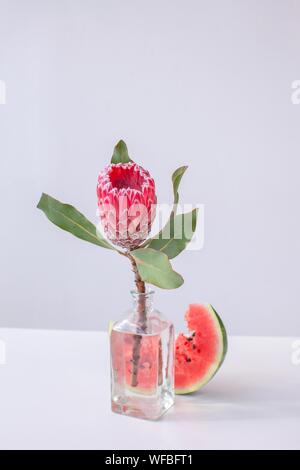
(55, 394)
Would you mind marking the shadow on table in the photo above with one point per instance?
(232, 400)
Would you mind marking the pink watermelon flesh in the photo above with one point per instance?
(199, 355)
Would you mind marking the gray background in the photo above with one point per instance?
(206, 83)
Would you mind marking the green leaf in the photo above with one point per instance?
(176, 179)
(68, 218)
(176, 234)
(120, 154)
(155, 268)
(165, 238)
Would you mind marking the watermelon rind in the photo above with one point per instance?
(220, 356)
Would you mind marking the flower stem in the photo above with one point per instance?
(142, 321)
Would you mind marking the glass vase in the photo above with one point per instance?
(142, 361)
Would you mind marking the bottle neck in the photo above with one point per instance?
(142, 303)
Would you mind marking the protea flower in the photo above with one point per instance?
(126, 202)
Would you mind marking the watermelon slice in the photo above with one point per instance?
(199, 355)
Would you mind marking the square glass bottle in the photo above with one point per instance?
(142, 361)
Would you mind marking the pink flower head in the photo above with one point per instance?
(126, 202)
